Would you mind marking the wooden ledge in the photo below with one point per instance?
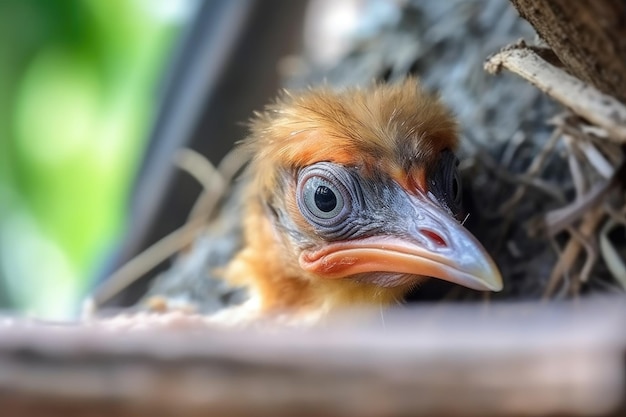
(473, 360)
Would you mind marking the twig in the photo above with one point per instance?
(583, 99)
(592, 254)
(215, 183)
(525, 180)
(559, 219)
(614, 262)
(589, 224)
(596, 159)
(587, 145)
(532, 171)
(145, 261)
(566, 276)
(210, 196)
(200, 168)
(579, 179)
(516, 141)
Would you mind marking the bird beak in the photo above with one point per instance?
(428, 243)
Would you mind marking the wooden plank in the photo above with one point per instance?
(523, 360)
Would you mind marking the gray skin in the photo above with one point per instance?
(367, 207)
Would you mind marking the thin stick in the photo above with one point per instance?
(210, 196)
(559, 219)
(583, 99)
(534, 169)
(200, 168)
(145, 261)
(215, 183)
(589, 224)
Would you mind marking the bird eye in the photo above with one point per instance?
(325, 194)
(322, 198)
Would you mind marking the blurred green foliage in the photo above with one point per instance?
(77, 94)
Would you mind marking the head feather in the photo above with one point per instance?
(396, 128)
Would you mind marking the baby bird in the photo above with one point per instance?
(353, 198)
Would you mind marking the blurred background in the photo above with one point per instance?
(78, 92)
(96, 97)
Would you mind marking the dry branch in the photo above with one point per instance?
(583, 99)
(590, 223)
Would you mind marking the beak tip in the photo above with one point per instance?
(492, 281)
(496, 286)
(484, 275)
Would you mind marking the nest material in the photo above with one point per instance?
(578, 182)
(545, 185)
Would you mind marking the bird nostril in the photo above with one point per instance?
(434, 237)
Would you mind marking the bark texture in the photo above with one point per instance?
(588, 36)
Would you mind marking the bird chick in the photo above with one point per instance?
(353, 199)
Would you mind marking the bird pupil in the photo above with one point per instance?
(325, 199)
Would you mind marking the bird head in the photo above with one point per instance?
(360, 187)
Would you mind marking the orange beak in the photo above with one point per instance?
(429, 243)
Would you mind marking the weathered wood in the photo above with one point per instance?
(583, 99)
(588, 36)
(437, 360)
